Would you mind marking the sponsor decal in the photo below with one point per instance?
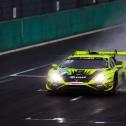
(78, 77)
(77, 83)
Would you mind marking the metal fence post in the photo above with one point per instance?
(57, 5)
(14, 12)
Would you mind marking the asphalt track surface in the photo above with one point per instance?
(24, 100)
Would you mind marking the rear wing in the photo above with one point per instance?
(112, 53)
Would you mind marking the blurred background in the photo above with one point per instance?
(11, 9)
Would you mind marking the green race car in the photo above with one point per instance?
(88, 71)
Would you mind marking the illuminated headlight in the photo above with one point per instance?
(99, 78)
(55, 77)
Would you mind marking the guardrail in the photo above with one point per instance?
(33, 30)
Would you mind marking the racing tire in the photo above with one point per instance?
(113, 91)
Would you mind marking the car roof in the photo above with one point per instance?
(91, 56)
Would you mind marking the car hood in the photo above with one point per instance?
(80, 72)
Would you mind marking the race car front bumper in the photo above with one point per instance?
(78, 87)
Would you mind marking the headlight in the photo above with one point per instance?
(55, 77)
(99, 78)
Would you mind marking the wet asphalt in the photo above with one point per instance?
(25, 102)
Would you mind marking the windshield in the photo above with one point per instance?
(85, 63)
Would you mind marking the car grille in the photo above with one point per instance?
(77, 78)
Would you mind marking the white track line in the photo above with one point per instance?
(99, 110)
(41, 90)
(100, 122)
(7, 80)
(75, 99)
(61, 40)
(59, 120)
(4, 77)
(28, 70)
(28, 76)
(63, 120)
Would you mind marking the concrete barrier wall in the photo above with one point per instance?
(39, 29)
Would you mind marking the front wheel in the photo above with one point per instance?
(114, 91)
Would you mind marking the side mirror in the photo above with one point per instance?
(55, 66)
(119, 64)
(124, 64)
